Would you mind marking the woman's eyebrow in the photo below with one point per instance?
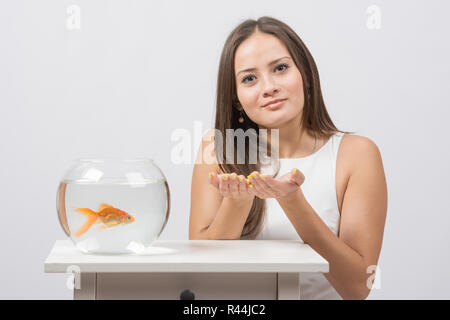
(271, 63)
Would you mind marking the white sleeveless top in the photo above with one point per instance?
(319, 189)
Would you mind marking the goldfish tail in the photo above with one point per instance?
(85, 227)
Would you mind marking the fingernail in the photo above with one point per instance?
(295, 170)
(225, 176)
(250, 185)
(261, 176)
(210, 175)
(247, 181)
(233, 176)
(240, 178)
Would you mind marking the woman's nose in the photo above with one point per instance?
(269, 87)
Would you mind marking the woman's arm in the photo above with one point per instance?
(213, 216)
(230, 220)
(362, 221)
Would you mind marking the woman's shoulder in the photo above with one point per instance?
(358, 143)
(356, 150)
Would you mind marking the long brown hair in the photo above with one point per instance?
(315, 118)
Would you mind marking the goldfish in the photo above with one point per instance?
(106, 214)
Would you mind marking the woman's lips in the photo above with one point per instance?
(276, 105)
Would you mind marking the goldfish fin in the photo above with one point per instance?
(86, 211)
(85, 227)
(103, 206)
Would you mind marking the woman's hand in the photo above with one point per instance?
(282, 187)
(233, 186)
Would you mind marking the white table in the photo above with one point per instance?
(204, 269)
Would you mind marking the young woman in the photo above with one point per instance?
(329, 190)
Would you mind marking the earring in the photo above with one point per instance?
(241, 118)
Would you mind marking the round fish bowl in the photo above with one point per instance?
(113, 205)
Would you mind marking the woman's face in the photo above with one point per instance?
(274, 76)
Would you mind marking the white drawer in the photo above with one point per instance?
(204, 286)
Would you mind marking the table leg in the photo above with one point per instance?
(88, 284)
(288, 286)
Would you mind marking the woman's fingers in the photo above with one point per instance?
(297, 177)
(242, 185)
(213, 179)
(250, 188)
(223, 185)
(260, 185)
(234, 185)
(256, 184)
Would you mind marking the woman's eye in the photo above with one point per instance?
(285, 66)
(282, 65)
(244, 80)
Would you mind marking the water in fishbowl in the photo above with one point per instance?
(113, 216)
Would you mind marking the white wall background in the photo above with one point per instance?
(138, 70)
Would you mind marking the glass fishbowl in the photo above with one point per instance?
(112, 205)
